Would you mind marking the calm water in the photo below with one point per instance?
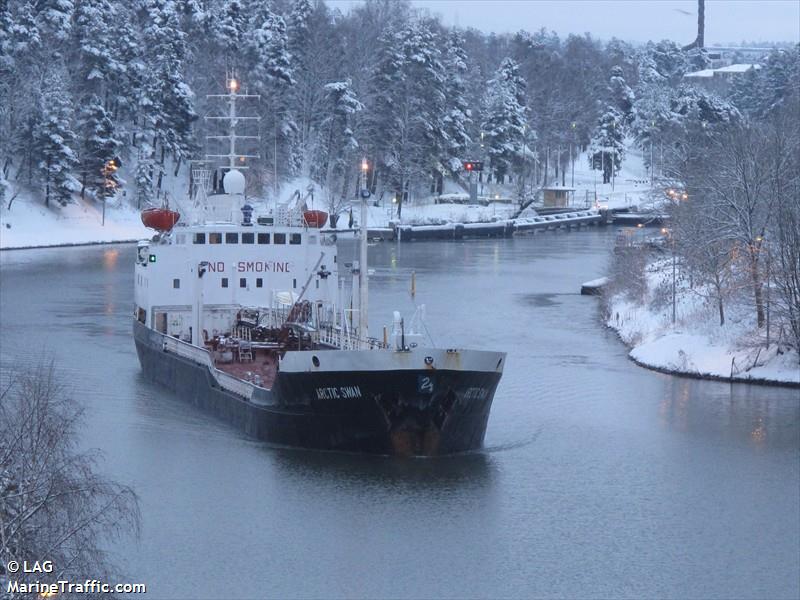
(600, 479)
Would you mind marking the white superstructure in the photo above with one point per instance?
(225, 266)
(222, 256)
(225, 263)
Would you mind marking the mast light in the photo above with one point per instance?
(364, 165)
(233, 85)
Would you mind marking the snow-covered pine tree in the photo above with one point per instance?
(777, 78)
(621, 94)
(622, 54)
(53, 144)
(696, 59)
(337, 157)
(650, 113)
(298, 25)
(317, 52)
(690, 103)
(409, 84)
(54, 18)
(265, 46)
(96, 59)
(746, 92)
(607, 149)
(6, 36)
(166, 100)
(128, 79)
(98, 145)
(761, 91)
(228, 26)
(457, 118)
(679, 118)
(504, 119)
(662, 62)
(382, 100)
(144, 175)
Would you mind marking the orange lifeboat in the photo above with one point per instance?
(315, 218)
(160, 219)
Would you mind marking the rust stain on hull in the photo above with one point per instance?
(406, 442)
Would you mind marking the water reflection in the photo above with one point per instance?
(468, 472)
(760, 417)
(110, 256)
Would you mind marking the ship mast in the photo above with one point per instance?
(363, 273)
(232, 85)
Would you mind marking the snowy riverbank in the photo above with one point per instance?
(696, 345)
(30, 224)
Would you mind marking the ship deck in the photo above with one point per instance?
(261, 370)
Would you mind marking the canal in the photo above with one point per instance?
(599, 478)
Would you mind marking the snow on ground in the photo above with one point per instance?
(437, 214)
(631, 187)
(30, 224)
(696, 344)
(423, 211)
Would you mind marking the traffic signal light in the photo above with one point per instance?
(473, 165)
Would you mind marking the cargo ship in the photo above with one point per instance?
(242, 312)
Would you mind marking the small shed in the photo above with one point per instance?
(557, 196)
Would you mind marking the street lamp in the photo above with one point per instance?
(109, 168)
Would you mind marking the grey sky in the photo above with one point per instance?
(634, 20)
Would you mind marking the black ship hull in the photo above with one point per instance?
(367, 401)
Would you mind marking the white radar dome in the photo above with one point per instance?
(233, 182)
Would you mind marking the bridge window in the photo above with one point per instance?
(294, 283)
(214, 238)
(248, 238)
(176, 283)
(280, 238)
(295, 238)
(259, 282)
(263, 238)
(224, 282)
(199, 238)
(242, 282)
(232, 238)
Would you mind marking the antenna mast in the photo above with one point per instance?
(232, 85)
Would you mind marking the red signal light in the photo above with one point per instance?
(468, 166)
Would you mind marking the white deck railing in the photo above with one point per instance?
(202, 356)
(234, 384)
(345, 340)
(339, 339)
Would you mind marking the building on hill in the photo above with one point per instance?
(718, 80)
